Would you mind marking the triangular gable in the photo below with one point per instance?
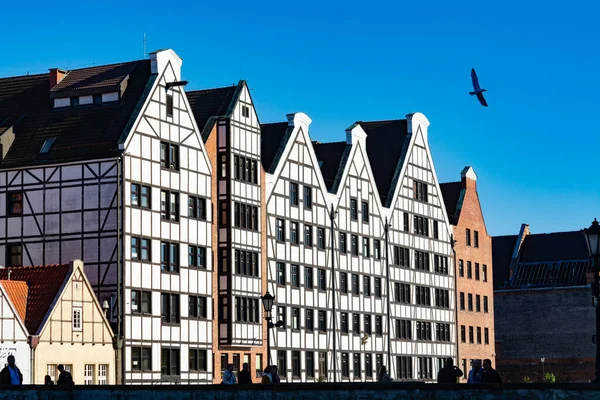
(15, 293)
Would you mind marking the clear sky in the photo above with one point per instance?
(535, 149)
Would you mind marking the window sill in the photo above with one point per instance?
(169, 169)
(175, 221)
(169, 272)
(170, 323)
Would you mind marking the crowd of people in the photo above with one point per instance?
(478, 374)
(269, 375)
(11, 375)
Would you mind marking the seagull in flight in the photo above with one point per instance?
(477, 90)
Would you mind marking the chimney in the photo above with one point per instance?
(468, 178)
(9, 272)
(56, 75)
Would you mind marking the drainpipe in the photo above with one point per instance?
(456, 326)
(33, 342)
(386, 229)
(332, 213)
(118, 338)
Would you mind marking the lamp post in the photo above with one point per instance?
(592, 234)
(267, 301)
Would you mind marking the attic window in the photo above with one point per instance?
(169, 105)
(47, 145)
(245, 111)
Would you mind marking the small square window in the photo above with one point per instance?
(169, 105)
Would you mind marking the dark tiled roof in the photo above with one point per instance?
(210, 103)
(451, 194)
(17, 293)
(559, 246)
(92, 80)
(81, 132)
(272, 143)
(44, 283)
(502, 251)
(332, 160)
(385, 148)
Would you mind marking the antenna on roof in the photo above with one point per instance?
(9, 272)
(144, 45)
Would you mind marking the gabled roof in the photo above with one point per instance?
(502, 251)
(273, 138)
(93, 80)
(451, 192)
(557, 246)
(17, 293)
(332, 158)
(83, 132)
(44, 284)
(210, 103)
(385, 149)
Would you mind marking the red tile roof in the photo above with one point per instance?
(44, 283)
(17, 293)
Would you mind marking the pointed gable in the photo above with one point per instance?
(17, 293)
(209, 103)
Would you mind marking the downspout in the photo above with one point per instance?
(33, 342)
(118, 339)
(456, 326)
(332, 213)
(386, 229)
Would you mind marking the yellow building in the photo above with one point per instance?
(65, 323)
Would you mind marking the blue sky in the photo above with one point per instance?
(535, 149)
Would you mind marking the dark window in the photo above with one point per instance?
(343, 247)
(296, 319)
(141, 302)
(308, 278)
(355, 290)
(245, 111)
(366, 252)
(478, 335)
(321, 279)
(442, 332)
(356, 365)
(422, 296)
(169, 205)
(404, 367)
(420, 191)
(294, 233)
(14, 204)
(295, 364)
(424, 368)
(365, 212)
(169, 363)
(475, 239)
(169, 105)
(246, 216)
(485, 304)
(344, 323)
(471, 338)
(141, 358)
(308, 241)
(401, 256)
(197, 256)
(145, 198)
(468, 237)
(378, 287)
(281, 273)
(307, 197)
(476, 271)
(169, 308)
(356, 324)
(280, 230)
(295, 276)
(463, 335)
(321, 238)
(14, 255)
(402, 292)
(436, 230)
(345, 366)
(461, 268)
(354, 245)
(282, 361)
(246, 263)
(421, 225)
(197, 207)
(378, 325)
(353, 209)
(223, 213)
(140, 249)
(169, 257)
(442, 298)
(169, 156)
(310, 364)
(421, 260)
(135, 195)
(462, 301)
(367, 324)
(470, 302)
(484, 270)
(198, 360)
(486, 335)
(293, 193)
(308, 320)
(322, 320)
(368, 365)
(343, 282)
(403, 329)
(478, 303)
(406, 222)
(469, 270)
(198, 307)
(135, 248)
(366, 285)
(281, 315)
(377, 249)
(423, 330)
(378, 362)
(441, 264)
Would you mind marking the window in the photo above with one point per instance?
(365, 212)
(223, 214)
(485, 304)
(169, 257)
(245, 111)
(197, 208)
(308, 278)
(141, 359)
(169, 105)
(344, 323)
(245, 169)
(354, 245)
(469, 270)
(310, 364)
(169, 363)
(486, 335)
(378, 325)
(463, 335)
(141, 302)
(281, 315)
(402, 292)
(421, 260)
(441, 264)
(377, 249)
(436, 230)
(197, 256)
(343, 248)
(135, 248)
(246, 263)
(307, 197)
(403, 329)
(442, 332)
(223, 163)
(424, 368)
(420, 191)
(354, 209)
(294, 233)
(378, 287)
(404, 367)
(484, 270)
(198, 360)
(295, 364)
(471, 335)
(296, 319)
(367, 324)
(135, 195)
(366, 251)
(478, 303)
(401, 256)
(88, 374)
(295, 276)
(366, 285)
(422, 296)
(169, 156)
(321, 279)
(421, 226)
(322, 320)
(14, 255)
(442, 298)
(293, 193)
(406, 222)
(345, 366)
(462, 300)
(169, 310)
(280, 230)
(308, 242)
(308, 320)
(198, 307)
(476, 271)
(323, 364)
(246, 216)
(169, 205)
(14, 204)
(470, 297)
(468, 237)
(102, 374)
(356, 365)
(461, 268)
(423, 330)
(355, 284)
(475, 239)
(356, 324)
(77, 324)
(378, 362)
(344, 282)
(321, 238)
(140, 249)
(369, 366)
(478, 335)
(280, 273)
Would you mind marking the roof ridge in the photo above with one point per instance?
(105, 65)
(380, 121)
(37, 266)
(24, 76)
(209, 89)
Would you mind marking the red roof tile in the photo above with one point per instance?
(17, 293)
(43, 283)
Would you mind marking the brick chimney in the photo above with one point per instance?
(468, 178)
(56, 75)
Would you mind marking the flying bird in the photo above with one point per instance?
(477, 90)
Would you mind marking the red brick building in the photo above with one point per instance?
(474, 271)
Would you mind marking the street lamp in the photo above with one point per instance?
(267, 301)
(592, 234)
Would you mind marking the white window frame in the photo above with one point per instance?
(102, 374)
(77, 327)
(89, 374)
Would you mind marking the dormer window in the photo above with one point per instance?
(47, 145)
(169, 105)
